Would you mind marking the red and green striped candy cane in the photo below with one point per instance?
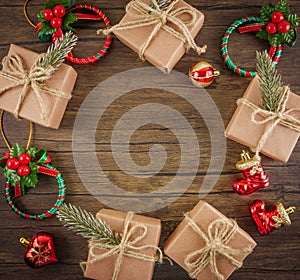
(274, 52)
(47, 169)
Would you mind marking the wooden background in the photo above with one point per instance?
(276, 256)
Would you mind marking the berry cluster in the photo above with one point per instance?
(55, 16)
(278, 24)
(19, 164)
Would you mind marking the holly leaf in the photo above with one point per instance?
(266, 13)
(283, 7)
(29, 181)
(12, 175)
(41, 17)
(31, 151)
(293, 20)
(262, 34)
(66, 3)
(69, 19)
(47, 29)
(33, 168)
(16, 150)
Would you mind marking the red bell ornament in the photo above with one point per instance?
(40, 250)
(276, 217)
(202, 74)
(255, 177)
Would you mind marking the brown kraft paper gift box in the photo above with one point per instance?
(131, 268)
(241, 129)
(184, 241)
(63, 79)
(165, 50)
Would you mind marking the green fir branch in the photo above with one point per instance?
(270, 82)
(85, 224)
(163, 4)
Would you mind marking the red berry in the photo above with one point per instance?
(24, 158)
(59, 11)
(48, 14)
(23, 170)
(284, 26)
(56, 22)
(6, 155)
(271, 28)
(277, 17)
(13, 163)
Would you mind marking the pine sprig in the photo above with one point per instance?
(85, 224)
(163, 4)
(270, 82)
(57, 52)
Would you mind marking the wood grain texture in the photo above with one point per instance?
(276, 256)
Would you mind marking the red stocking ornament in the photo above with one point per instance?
(40, 250)
(276, 217)
(255, 177)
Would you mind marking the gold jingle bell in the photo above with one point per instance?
(202, 74)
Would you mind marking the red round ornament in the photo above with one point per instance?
(12, 163)
(23, 170)
(271, 28)
(48, 14)
(202, 74)
(59, 11)
(40, 250)
(24, 158)
(56, 22)
(276, 217)
(277, 17)
(284, 26)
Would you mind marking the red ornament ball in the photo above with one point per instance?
(48, 14)
(56, 22)
(24, 158)
(13, 163)
(23, 170)
(271, 28)
(59, 11)
(277, 17)
(284, 26)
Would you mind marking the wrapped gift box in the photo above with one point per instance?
(63, 80)
(241, 129)
(165, 50)
(131, 268)
(183, 241)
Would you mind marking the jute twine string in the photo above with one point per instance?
(126, 248)
(219, 233)
(282, 116)
(146, 15)
(15, 71)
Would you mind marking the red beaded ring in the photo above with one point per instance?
(57, 17)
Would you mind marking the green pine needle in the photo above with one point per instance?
(163, 4)
(85, 224)
(57, 52)
(270, 82)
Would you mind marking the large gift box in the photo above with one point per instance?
(147, 235)
(244, 130)
(61, 83)
(164, 50)
(207, 243)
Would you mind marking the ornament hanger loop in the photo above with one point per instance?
(26, 14)
(5, 138)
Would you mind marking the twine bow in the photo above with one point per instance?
(219, 233)
(154, 15)
(126, 248)
(282, 116)
(15, 71)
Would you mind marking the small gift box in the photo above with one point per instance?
(134, 258)
(249, 124)
(160, 36)
(207, 244)
(29, 92)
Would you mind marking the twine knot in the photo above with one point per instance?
(219, 233)
(35, 78)
(282, 116)
(128, 247)
(145, 15)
